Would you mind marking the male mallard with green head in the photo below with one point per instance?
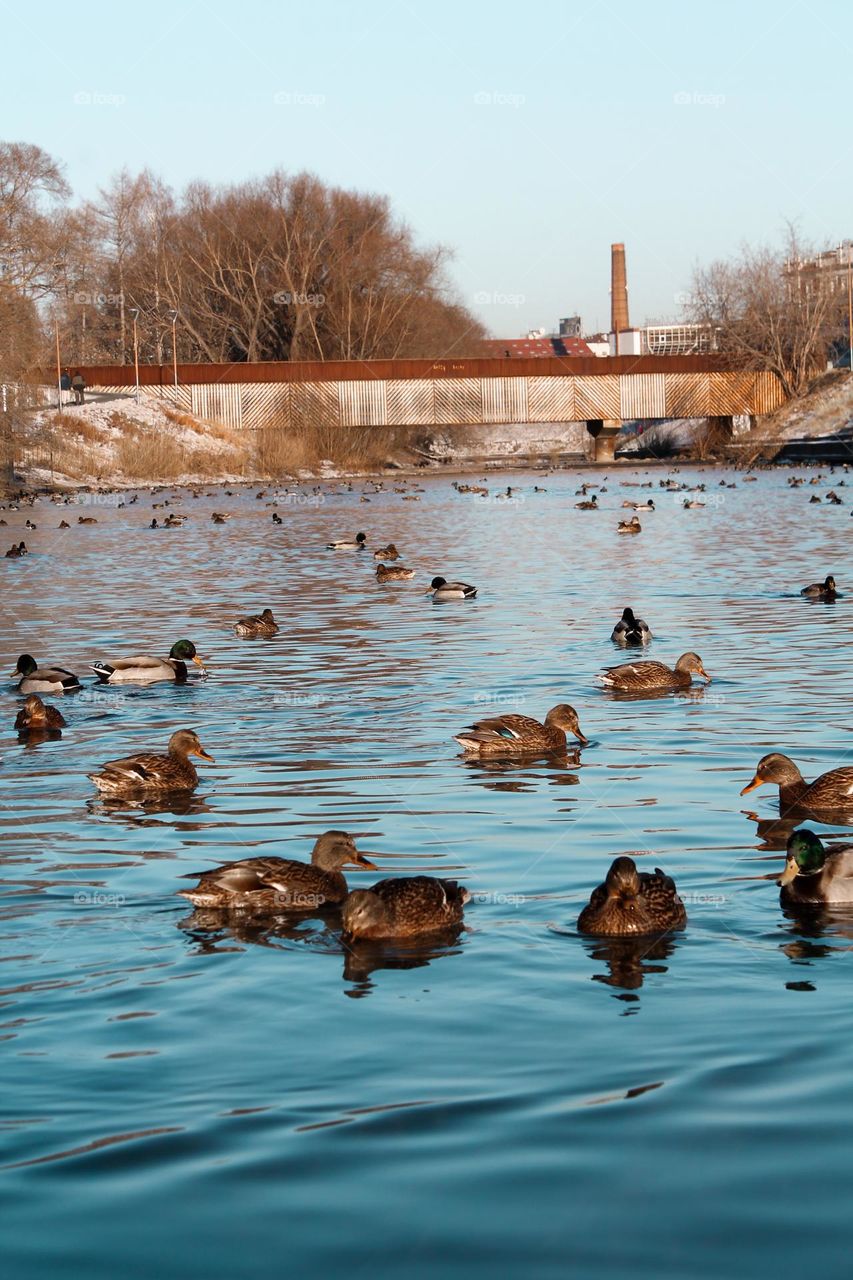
(150, 773)
(145, 669)
(280, 884)
(348, 544)
(814, 874)
(36, 679)
(832, 790)
(632, 902)
(404, 908)
(514, 734)
(442, 590)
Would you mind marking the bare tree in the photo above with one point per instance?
(765, 317)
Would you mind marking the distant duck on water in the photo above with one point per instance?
(631, 630)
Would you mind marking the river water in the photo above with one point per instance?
(187, 1097)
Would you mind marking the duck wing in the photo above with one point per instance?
(831, 790)
(508, 728)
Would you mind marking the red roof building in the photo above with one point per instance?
(528, 347)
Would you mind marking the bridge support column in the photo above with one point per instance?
(604, 432)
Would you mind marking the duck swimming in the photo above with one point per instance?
(514, 734)
(281, 884)
(145, 669)
(36, 679)
(35, 715)
(814, 874)
(393, 573)
(358, 544)
(590, 504)
(631, 630)
(642, 676)
(631, 902)
(387, 553)
(404, 907)
(832, 790)
(442, 590)
(825, 590)
(630, 526)
(257, 624)
(150, 773)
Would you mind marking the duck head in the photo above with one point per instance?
(805, 856)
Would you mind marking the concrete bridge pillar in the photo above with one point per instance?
(604, 432)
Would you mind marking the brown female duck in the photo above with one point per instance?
(404, 908)
(632, 902)
(280, 884)
(34, 714)
(514, 734)
(147, 772)
(825, 590)
(393, 573)
(257, 624)
(642, 676)
(832, 790)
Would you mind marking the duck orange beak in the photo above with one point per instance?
(203, 754)
(704, 673)
(791, 871)
(197, 660)
(581, 737)
(756, 782)
(359, 860)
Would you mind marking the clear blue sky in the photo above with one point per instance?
(525, 137)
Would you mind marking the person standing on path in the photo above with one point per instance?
(78, 384)
(64, 386)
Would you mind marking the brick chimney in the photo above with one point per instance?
(618, 290)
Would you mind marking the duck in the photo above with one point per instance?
(281, 884)
(219, 517)
(644, 506)
(692, 505)
(257, 624)
(590, 504)
(34, 714)
(149, 773)
(641, 676)
(387, 553)
(513, 734)
(345, 544)
(17, 550)
(825, 590)
(630, 903)
(630, 526)
(814, 874)
(86, 520)
(631, 630)
(145, 669)
(36, 679)
(276, 518)
(442, 590)
(832, 790)
(394, 573)
(404, 907)
(63, 524)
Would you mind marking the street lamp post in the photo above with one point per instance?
(135, 314)
(58, 365)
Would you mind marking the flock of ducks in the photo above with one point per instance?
(628, 902)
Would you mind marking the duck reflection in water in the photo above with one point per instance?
(141, 811)
(521, 773)
(212, 932)
(629, 961)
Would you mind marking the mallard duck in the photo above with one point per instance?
(219, 517)
(630, 526)
(394, 573)
(590, 504)
(16, 550)
(825, 590)
(814, 874)
(642, 676)
(644, 506)
(403, 908)
(149, 772)
(514, 734)
(631, 630)
(632, 902)
(36, 679)
(387, 553)
(86, 520)
(344, 544)
(691, 505)
(63, 524)
(145, 669)
(442, 590)
(832, 790)
(280, 884)
(35, 715)
(257, 624)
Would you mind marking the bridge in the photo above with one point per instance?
(601, 393)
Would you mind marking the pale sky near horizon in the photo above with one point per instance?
(524, 138)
